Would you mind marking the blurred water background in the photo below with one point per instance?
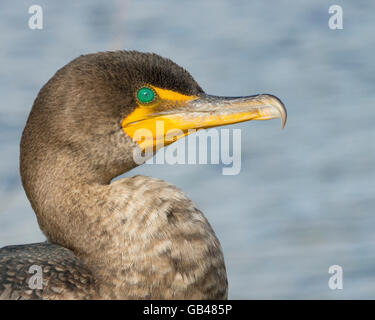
(304, 199)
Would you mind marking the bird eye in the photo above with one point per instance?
(145, 95)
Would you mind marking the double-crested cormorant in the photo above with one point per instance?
(134, 238)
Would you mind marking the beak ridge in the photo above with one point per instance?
(238, 109)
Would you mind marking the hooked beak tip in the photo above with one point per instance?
(280, 108)
(271, 107)
(283, 114)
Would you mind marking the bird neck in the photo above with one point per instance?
(78, 208)
(140, 237)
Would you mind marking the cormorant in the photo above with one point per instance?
(134, 238)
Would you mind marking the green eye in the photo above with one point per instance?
(145, 95)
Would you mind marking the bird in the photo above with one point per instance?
(135, 237)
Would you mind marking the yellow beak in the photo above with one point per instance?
(168, 120)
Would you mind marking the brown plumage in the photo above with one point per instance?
(71, 148)
(135, 238)
(65, 276)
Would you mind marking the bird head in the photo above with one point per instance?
(98, 108)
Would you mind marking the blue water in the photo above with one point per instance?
(305, 197)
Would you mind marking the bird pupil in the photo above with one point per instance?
(145, 95)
